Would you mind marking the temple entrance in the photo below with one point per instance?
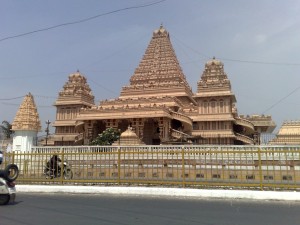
(98, 128)
(123, 125)
(151, 132)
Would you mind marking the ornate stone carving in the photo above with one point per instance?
(158, 70)
(214, 77)
(76, 87)
(27, 117)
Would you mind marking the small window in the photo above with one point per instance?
(186, 175)
(199, 175)
(232, 176)
(143, 174)
(169, 175)
(102, 174)
(250, 177)
(268, 177)
(154, 174)
(216, 176)
(128, 174)
(114, 174)
(287, 177)
(90, 174)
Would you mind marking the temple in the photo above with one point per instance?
(158, 105)
(288, 134)
(26, 125)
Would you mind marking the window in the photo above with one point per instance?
(195, 126)
(143, 174)
(128, 174)
(221, 106)
(268, 177)
(214, 125)
(199, 175)
(232, 176)
(250, 177)
(213, 106)
(114, 174)
(154, 174)
(68, 116)
(216, 176)
(287, 177)
(169, 175)
(221, 125)
(205, 107)
(89, 174)
(102, 174)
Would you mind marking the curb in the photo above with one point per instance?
(170, 192)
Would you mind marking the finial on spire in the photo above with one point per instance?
(161, 25)
(78, 71)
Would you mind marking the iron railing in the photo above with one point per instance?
(259, 167)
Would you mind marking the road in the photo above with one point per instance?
(75, 209)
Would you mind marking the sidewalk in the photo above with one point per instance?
(167, 192)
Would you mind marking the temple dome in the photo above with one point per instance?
(129, 137)
(129, 134)
(160, 30)
(214, 61)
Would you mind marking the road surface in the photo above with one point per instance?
(89, 209)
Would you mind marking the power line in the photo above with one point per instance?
(261, 62)
(82, 20)
(237, 60)
(6, 99)
(280, 100)
(14, 104)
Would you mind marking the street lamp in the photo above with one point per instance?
(47, 131)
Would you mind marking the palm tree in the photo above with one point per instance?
(5, 128)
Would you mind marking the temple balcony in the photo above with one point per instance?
(214, 133)
(245, 139)
(246, 124)
(185, 120)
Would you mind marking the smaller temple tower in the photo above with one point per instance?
(26, 125)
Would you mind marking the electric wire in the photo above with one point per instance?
(13, 98)
(280, 100)
(82, 20)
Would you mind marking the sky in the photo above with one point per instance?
(258, 41)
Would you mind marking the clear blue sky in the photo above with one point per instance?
(107, 49)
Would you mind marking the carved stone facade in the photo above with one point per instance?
(288, 134)
(27, 117)
(26, 125)
(158, 104)
(75, 96)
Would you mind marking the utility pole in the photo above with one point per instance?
(47, 131)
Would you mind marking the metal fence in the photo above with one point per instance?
(258, 167)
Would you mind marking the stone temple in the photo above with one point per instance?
(158, 105)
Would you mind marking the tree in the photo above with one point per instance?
(107, 137)
(5, 128)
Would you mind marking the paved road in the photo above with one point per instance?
(58, 209)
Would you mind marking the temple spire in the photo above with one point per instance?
(158, 70)
(27, 117)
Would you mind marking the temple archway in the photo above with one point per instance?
(151, 132)
(98, 128)
(123, 125)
